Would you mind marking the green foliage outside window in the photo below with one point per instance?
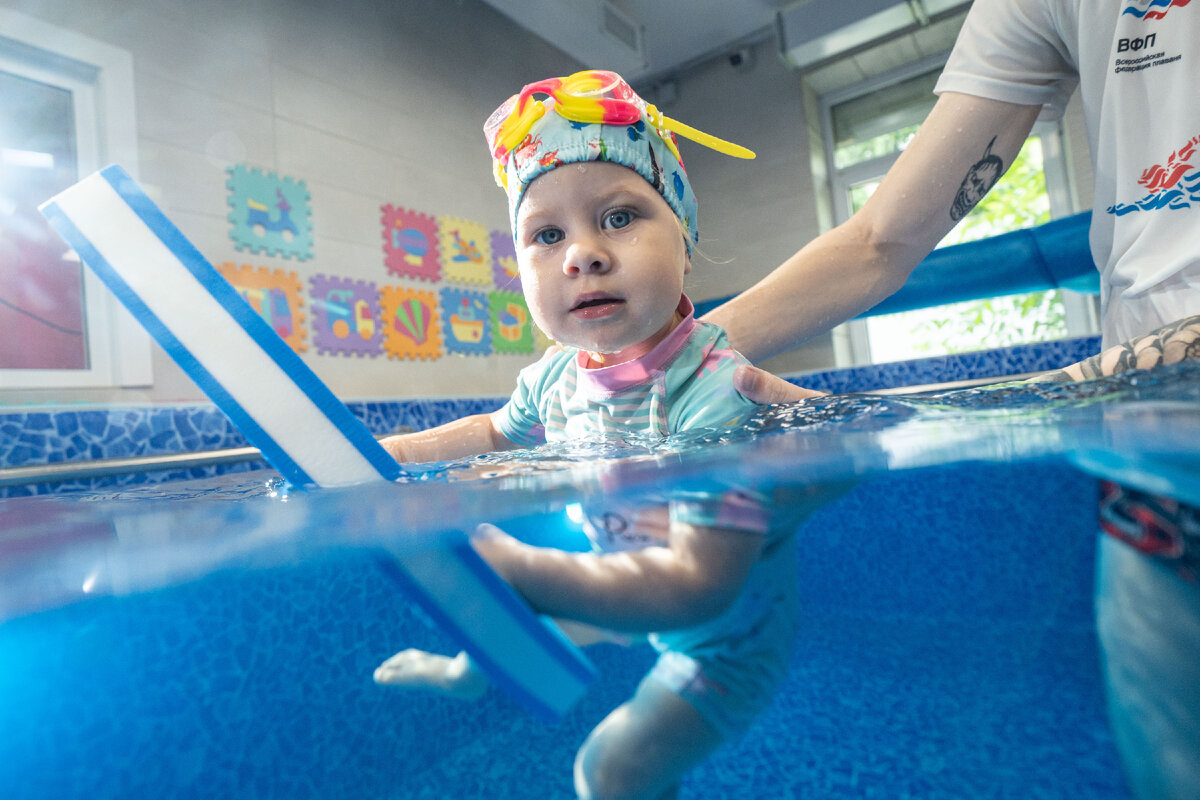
(882, 145)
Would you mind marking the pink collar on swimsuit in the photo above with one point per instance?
(619, 377)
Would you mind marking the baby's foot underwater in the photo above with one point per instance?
(418, 669)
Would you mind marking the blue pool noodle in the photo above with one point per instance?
(1048, 256)
(300, 426)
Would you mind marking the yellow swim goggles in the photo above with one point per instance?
(591, 96)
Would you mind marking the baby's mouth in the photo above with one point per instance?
(591, 306)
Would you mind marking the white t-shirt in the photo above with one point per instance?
(1137, 65)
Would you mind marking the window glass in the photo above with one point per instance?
(41, 284)
(881, 122)
(66, 110)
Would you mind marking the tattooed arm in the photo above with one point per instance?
(961, 150)
(1170, 344)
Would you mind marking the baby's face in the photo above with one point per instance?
(602, 259)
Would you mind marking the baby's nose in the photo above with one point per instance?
(586, 257)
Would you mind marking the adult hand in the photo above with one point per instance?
(762, 387)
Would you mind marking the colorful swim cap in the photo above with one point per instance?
(598, 117)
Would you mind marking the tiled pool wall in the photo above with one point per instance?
(34, 436)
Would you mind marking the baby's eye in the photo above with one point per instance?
(618, 219)
(548, 236)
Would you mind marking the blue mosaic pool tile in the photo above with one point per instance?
(33, 438)
(384, 417)
(1016, 360)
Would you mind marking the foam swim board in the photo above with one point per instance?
(301, 427)
(202, 322)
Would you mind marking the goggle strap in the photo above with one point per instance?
(660, 120)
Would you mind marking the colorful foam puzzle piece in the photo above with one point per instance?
(305, 432)
(411, 327)
(276, 295)
(466, 251)
(466, 322)
(505, 273)
(410, 244)
(345, 316)
(269, 214)
(512, 328)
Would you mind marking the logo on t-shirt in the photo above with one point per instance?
(1137, 47)
(1173, 184)
(1154, 9)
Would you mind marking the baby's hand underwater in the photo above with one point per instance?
(759, 386)
(501, 551)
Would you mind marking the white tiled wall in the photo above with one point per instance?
(753, 214)
(368, 102)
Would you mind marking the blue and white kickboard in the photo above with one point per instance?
(302, 429)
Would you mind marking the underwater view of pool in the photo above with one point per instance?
(216, 638)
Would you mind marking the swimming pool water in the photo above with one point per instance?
(947, 649)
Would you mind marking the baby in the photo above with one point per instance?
(603, 247)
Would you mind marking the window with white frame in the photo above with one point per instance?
(866, 127)
(66, 109)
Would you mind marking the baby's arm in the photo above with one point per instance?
(469, 436)
(691, 580)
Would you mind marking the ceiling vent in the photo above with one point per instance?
(621, 27)
(810, 33)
